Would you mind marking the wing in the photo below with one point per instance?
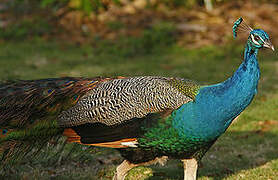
(118, 100)
(113, 112)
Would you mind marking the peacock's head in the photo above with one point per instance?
(257, 37)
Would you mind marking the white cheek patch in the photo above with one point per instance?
(254, 41)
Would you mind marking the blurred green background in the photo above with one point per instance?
(180, 38)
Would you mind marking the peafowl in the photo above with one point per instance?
(148, 118)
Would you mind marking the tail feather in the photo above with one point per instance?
(24, 101)
(29, 111)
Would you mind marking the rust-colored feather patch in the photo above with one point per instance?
(74, 137)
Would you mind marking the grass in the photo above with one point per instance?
(248, 150)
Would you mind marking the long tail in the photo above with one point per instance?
(29, 111)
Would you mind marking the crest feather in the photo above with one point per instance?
(240, 26)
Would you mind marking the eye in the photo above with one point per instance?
(257, 38)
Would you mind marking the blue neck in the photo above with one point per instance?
(217, 105)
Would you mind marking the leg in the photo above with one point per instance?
(190, 169)
(123, 168)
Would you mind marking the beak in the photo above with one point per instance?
(268, 44)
